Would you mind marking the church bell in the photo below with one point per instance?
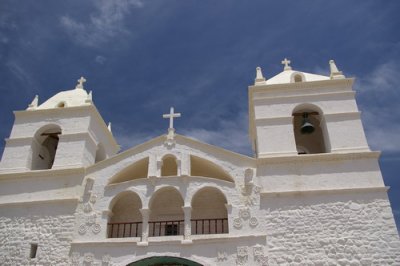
(306, 126)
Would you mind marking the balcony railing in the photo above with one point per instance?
(117, 230)
(168, 228)
(209, 226)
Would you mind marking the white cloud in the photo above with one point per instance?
(230, 134)
(105, 23)
(379, 95)
(100, 59)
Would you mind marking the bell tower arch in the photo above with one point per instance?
(66, 131)
(304, 115)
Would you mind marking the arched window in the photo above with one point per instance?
(206, 168)
(169, 166)
(125, 217)
(44, 147)
(298, 78)
(309, 129)
(136, 170)
(166, 214)
(209, 213)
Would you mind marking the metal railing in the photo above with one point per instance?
(167, 228)
(209, 226)
(117, 230)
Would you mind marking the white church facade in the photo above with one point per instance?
(312, 194)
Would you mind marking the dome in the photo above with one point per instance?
(70, 98)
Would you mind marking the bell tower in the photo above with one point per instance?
(295, 113)
(66, 131)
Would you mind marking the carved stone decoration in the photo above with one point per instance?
(257, 189)
(106, 260)
(91, 219)
(82, 229)
(258, 254)
(242, 255)
(248, 200)
(88, 258)
(96, 228)
(237, 223)
(93, 198)
(75, 258)
(253, 222)
(248, 176)
(222, 256)
(244, 213)
(87, 207)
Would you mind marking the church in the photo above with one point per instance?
(312, 194)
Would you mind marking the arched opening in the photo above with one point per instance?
(203, 167)
(298, 78)
(44, 147)
(310, 130)
(137, 170)
(61, 105)
(169, 166)
(100, 153)
(125, 217)
(209, 213)
(166, 214)
(164, 261)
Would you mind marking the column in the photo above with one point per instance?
(188, 225)
(145, 227)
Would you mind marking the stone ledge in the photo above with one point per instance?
(324, 191)
(320, 157)
(39, 201)
(160, 241)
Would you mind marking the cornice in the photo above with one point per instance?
(320, 157)
(323, 191)
(42, 173)
(43, 201)
(303, 85)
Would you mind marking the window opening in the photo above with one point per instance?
(171, 229)
(33, 252)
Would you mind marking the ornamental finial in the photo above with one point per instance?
(286, 63)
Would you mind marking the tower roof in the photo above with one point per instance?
(70, 98)
(288, 76)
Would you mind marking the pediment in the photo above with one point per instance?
(192, 157)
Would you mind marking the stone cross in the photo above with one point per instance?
(286, 63)
(171, 117)
(80, 82)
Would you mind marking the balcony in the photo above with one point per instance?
(168, 228)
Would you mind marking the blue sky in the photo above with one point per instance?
(141, 57)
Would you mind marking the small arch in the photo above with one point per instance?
(206, 168)
(297, 77)
(125, 211)
(310, 141)
(44, 147)
(169, 166)
(209, 204)
(166, 214)
(100, 153)
(138, 169)
(61, 105)
(164, 260)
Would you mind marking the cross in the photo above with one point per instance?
(286, 63)
(80, 82)
(171, 117)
